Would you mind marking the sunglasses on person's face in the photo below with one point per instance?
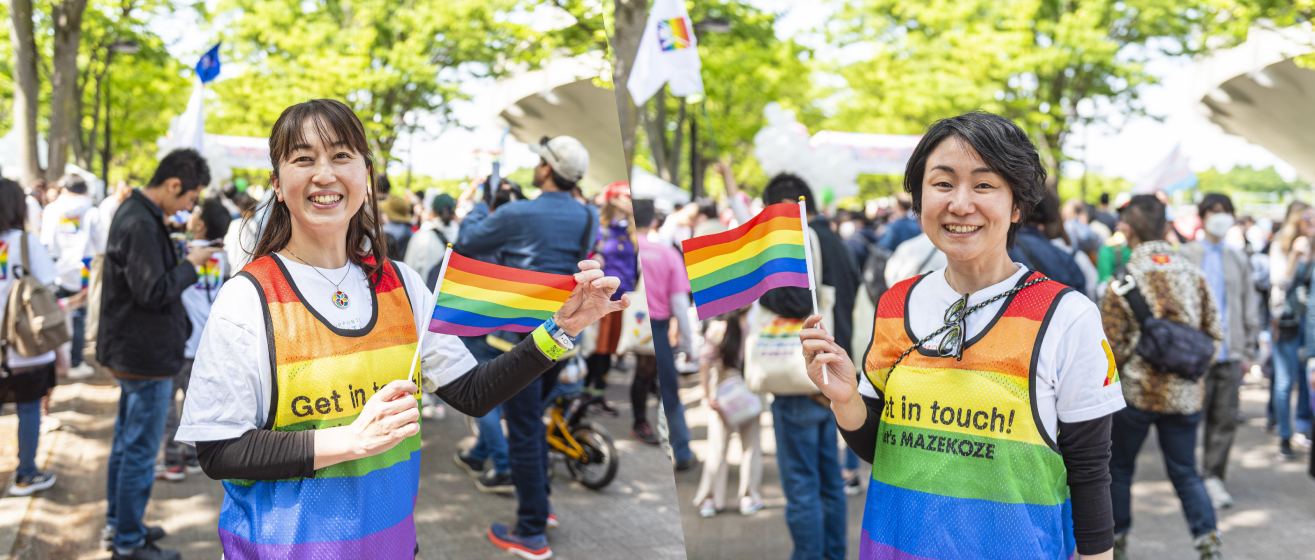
(952, 344)
(544, 143)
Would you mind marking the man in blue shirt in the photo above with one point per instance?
(1227, 270)
(1033, 249)
(551, 233)
(902, 229)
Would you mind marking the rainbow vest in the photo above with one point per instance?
(963, 467)
(322, 377)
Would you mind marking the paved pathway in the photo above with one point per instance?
(634, 517)
(1273, 518)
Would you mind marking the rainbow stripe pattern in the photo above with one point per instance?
(85, 273)
(208, 274)
(477, 298)
(674, 34)
(323, 377)
(732, 269)
(4, 260)
(69, 224)
(963, 468)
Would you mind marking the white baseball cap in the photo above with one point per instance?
(565, 155)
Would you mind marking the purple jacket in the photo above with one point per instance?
(618, 252)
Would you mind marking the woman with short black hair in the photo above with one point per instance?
(987, 389)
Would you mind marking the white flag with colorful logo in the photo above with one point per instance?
(668, 54)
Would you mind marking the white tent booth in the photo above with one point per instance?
(561, 99)
(1257, 92)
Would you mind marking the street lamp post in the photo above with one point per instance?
(125, 47)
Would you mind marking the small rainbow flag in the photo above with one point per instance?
(208, 274)
(86, 272)
(674, 34)
(4, 260)
(731, 269)
(476, 298)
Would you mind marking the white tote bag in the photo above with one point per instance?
(636, 330)
(773, 354)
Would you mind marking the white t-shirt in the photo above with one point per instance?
(200, 297)
(1071, 371)
(33, 215)
(230, 387)
(43, 268)
(65, 236)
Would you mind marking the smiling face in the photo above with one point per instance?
(966, 208)
(323, 182)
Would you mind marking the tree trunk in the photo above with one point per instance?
(629, 17)
(657, 135)
(657, 145)
(67, 16)
(695, 165)
(676, 142)
(26, 88)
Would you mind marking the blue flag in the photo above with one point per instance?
(208, 67)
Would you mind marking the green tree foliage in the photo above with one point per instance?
(1096, 184)
(390, 60)
(1033, 61)
(744, 69)
(1245, 178)
(147, 88)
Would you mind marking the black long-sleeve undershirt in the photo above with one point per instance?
(270, 455)
(1085, 447)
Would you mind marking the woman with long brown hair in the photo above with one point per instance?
(1289, 273)
(615, 249)
(300, 399)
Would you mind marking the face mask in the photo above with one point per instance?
(1218, 224)
(847, 229)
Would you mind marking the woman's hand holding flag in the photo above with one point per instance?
(590, 300)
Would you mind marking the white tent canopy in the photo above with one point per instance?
(666, 197)
(12, 169)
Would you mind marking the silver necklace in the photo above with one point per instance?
(339, 298)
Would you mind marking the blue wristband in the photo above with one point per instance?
(555, 331)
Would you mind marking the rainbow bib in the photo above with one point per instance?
(963, 468)
(323, 376)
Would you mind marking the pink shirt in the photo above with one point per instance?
(664, 275)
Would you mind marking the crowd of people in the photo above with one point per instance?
(162, 288)
(177, 285)
(1239, 281)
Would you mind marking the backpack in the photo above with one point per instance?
(1294, 304)
(1168, 346)
(874, 271)
(33, 321)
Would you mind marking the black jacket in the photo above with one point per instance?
(143, 325)
(839, 271)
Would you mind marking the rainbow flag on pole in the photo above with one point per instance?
(731, 269)
(476, 298)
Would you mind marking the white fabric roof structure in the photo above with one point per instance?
(560, 99)
(1257, 92)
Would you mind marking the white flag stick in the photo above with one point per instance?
(438, 287)
(812, 287)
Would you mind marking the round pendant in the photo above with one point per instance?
(340, 299)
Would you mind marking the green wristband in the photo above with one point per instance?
(546, 343)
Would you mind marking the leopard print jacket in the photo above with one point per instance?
(1174, 290)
